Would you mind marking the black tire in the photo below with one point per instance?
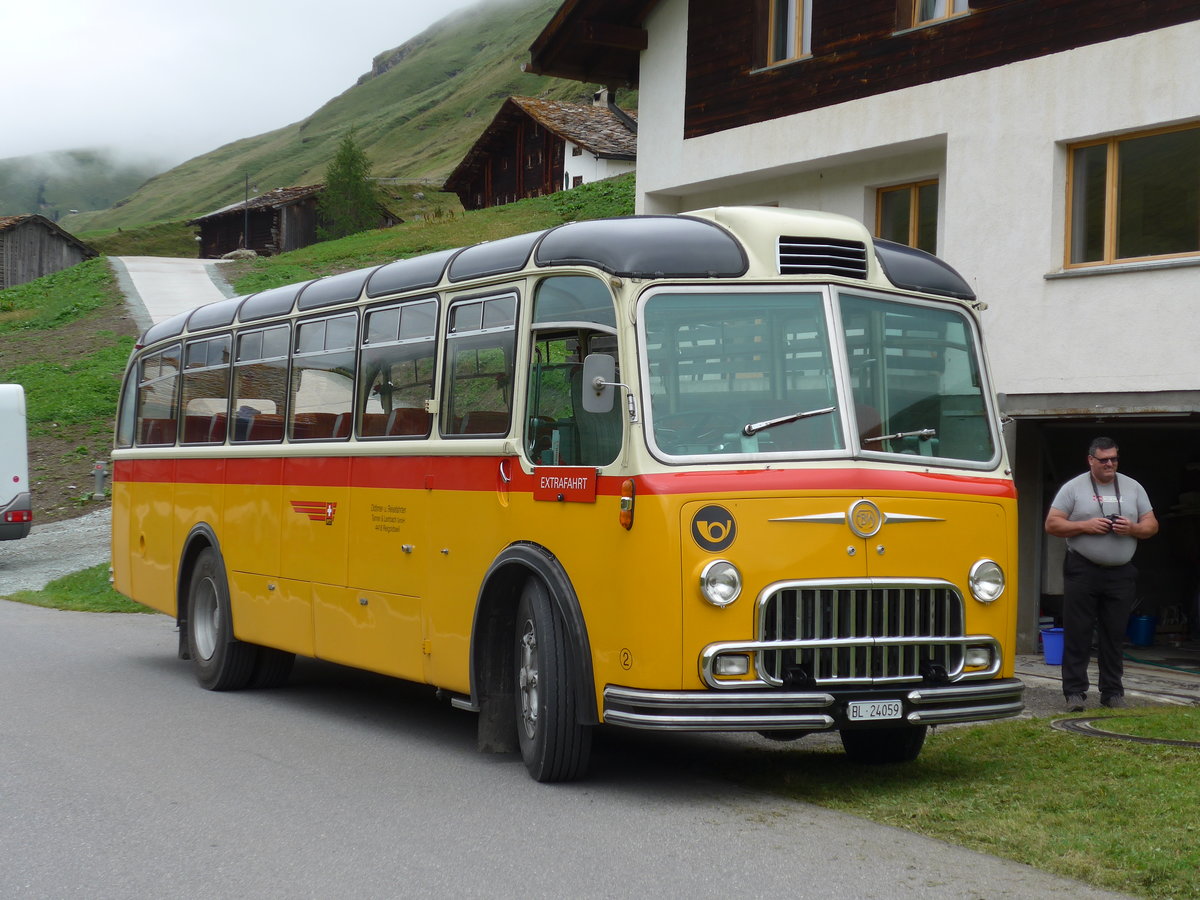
(221, 663)
(881, 746)
(554, 746)
(273, 668)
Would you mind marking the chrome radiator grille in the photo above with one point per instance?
(859, 634)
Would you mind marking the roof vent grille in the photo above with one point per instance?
(822, 256)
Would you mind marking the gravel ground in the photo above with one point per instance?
(55, 549)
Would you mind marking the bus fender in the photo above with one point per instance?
(492, 641)
(200, 537)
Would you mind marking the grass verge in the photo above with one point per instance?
(86, 591)
(1112, 813)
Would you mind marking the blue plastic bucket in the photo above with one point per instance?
(1141, 630)
(1052, 646)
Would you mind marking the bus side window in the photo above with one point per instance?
(480, 348)
(206, 391)
(322, 392)
(396, 369)
(260, 373)
(158, 397)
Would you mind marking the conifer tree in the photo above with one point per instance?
(350, 201)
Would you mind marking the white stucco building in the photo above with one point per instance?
(1054, 150)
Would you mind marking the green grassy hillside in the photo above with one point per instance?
(416, 114)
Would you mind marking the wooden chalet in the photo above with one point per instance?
(534, 147)
(271, 223)
(32, 246)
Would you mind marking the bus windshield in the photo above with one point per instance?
(754, 374)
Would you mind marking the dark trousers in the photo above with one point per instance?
(1099, 598)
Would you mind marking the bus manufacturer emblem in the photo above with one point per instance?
(864, 518)
(713, 528)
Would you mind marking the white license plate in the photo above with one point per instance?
(871, 710)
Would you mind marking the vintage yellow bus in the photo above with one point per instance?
(734, 470)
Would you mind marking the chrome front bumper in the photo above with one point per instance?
(782, 710)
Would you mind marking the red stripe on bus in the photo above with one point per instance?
(482, 473)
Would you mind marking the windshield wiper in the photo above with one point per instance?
(923, 433)
(756, 427)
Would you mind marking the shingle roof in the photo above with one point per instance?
(8, 222)
(594, 128)
(271, 199)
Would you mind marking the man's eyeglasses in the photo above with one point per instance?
(1107, 460)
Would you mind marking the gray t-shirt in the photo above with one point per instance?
(1079, 500)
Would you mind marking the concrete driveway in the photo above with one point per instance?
(157, 288)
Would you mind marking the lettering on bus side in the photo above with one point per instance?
(564, 484)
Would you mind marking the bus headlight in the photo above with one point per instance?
(986, 581)
(720, 582)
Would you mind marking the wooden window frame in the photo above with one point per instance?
(802, 44)
(914, 207)
(910, 12)
(1111, 199)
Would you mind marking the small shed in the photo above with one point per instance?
(32, 246)
(271, 223)
(534, 147)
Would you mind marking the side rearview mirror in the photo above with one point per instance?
(599, 381)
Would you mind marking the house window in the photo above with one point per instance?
(789, 30)
(907, 214)
(926, 11)
(576, 150)
(576, 180)
(1134, 196)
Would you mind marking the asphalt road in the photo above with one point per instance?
(120, 777)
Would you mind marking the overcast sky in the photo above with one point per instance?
(171, 80)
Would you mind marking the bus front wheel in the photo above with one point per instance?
(221, 662)
(884, 745)
(554, 746)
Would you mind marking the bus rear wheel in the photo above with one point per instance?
(877, 746)
(554, 746)
(221, 662)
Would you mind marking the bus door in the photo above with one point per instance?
(390, 551)
(470, 522)
(152, 553)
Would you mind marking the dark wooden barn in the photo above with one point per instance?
(32, 246)
(535, 147)
(271, 223)
(280, 220)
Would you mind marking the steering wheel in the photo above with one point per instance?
(691, 427)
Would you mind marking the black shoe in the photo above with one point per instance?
(1075, 703)
(1113, 701)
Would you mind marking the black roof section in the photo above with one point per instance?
(274, 302)
(409, 274)
(334, 289)
(915, 270)
(493, 257)
(217, 314)
(167, 328)
(646, 246)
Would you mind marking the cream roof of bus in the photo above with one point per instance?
(722, 242)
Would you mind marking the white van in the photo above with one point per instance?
(16, 505)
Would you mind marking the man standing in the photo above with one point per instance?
(1102, 515)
